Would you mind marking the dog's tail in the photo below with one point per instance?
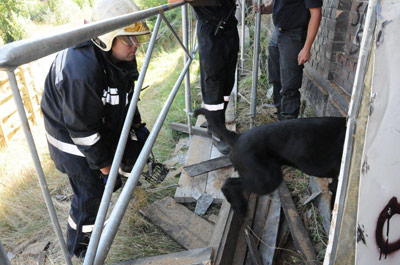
(218, 125)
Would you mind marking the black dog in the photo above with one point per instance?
(313, 145)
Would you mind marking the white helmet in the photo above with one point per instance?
(104, 9)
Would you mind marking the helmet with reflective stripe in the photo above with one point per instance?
(105, 9)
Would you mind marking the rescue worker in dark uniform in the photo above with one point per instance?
(218, 40)
(296, 25)
(86, 97)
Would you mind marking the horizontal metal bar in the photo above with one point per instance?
(20, 52)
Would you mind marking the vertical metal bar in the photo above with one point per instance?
(194, 47)
(188, 99)
(118, 212)
(101, 215)
(255, 67)
(243, 37)
(38, 166)
(3, 256)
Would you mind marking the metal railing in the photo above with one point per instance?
(20, 52)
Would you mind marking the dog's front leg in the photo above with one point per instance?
(233, 191)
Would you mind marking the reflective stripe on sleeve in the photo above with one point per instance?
(214, 107)
(65, 147)
(88, 140)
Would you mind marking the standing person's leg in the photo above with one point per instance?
(211, 67)
(213, 64)
(290, 44)
(232, 48)
(274, 76)
(88, 189)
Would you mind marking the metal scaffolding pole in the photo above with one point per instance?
(3, 256)
(38, 166)
(118, 212)
(243, 37)
(105, 201)
(188, 98)
(255, 66)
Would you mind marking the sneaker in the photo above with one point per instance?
(222, 146)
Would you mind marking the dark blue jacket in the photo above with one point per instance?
(84, 106)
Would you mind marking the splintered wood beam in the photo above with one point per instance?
(255, 255)
(207, 166)
(196, 130)
(225, 235)
(185, 227)
(270, 231)
(298, 232)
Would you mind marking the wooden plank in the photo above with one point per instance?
(241, 247)
(181, 224)
(193, 256)
(298, 232)
(283, 236)
(207, 166)
(261, 213)
(255, 256)
(217, 178)
(199, 150)
(196, 130)
(270, 233)
(225, 235)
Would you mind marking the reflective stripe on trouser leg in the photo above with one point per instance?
(88, 189)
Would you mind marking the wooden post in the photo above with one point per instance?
(26, 97)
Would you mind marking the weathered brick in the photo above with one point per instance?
(330, 24)
(344, 5)
(340, 36)
(342, 20)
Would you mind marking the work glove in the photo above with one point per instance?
(140, 134)
(118, 182)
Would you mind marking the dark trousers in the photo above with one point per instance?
(218, 58)
(88, 187)
(283, 70)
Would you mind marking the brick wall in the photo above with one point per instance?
(329, 75)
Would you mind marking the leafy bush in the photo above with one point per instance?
(10, 29)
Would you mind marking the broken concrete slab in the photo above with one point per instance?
(323, 201)
(181, 224)
(203, 203)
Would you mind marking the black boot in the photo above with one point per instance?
(221, 145)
